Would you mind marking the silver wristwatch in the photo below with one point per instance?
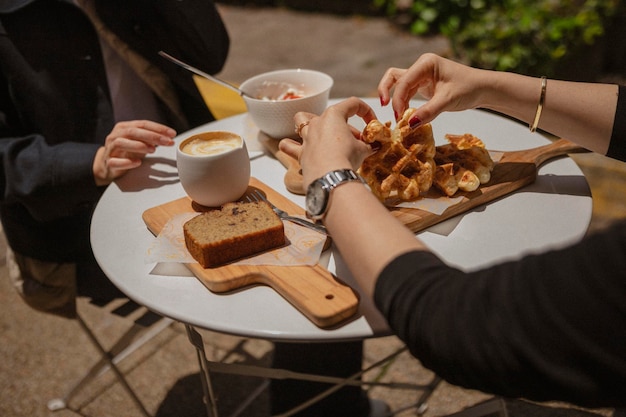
(318, 193)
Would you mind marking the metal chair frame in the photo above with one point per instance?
(207, 366)
(143, 329)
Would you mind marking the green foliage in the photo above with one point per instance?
(526, 36)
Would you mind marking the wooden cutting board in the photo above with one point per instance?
(514, 170)
(313, 290)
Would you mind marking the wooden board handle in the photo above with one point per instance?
(541, 154)
(313, 290)
(293, 176)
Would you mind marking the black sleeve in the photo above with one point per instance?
(50, 174)
(547, 327)
(617, 146)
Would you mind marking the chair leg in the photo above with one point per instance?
(108, 361)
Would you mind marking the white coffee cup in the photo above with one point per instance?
(213, 167)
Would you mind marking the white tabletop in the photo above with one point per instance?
(552, 212)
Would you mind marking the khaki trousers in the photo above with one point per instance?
(45, 286)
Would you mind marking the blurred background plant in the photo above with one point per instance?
(583, 40)
(535, 37)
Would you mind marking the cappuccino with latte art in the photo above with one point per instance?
(211, 146)
(213, 167)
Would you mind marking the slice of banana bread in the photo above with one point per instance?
(235, 231)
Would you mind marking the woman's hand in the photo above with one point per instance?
(126, 146)
(447, 85)
(581, 112)
(355, 215)
(329, 142)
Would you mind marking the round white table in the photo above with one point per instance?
(554, 211)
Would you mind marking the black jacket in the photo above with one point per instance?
(55, 109)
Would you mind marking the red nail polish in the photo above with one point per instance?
(414, 122)
(395, 115)
(382, 102)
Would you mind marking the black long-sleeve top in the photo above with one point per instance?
(550, 326)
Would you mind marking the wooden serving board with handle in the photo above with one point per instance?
(313, 290)
(515, 170)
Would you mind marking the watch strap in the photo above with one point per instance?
(340, 176)
(330, 181)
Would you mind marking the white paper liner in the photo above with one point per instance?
(431, 202)
(304, 248)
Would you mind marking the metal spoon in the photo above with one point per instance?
(270, 90)
(203, 74)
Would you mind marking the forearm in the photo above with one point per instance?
(365, 233)
(580, 112)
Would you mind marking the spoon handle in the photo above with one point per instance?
(200, 73)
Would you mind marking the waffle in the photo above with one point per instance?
(403, 167)
(408, 164)
(463, 164)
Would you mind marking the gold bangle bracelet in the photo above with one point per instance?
(542, 97)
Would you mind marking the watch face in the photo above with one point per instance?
(316, 198)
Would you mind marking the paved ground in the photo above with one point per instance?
(42, 355)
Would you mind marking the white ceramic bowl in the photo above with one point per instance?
(275, 117)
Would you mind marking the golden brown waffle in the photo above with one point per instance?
(403, 167)
(463, 164)
(408, 164)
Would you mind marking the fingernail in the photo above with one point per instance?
(382, 102)
(395, 115)
(414, 122)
